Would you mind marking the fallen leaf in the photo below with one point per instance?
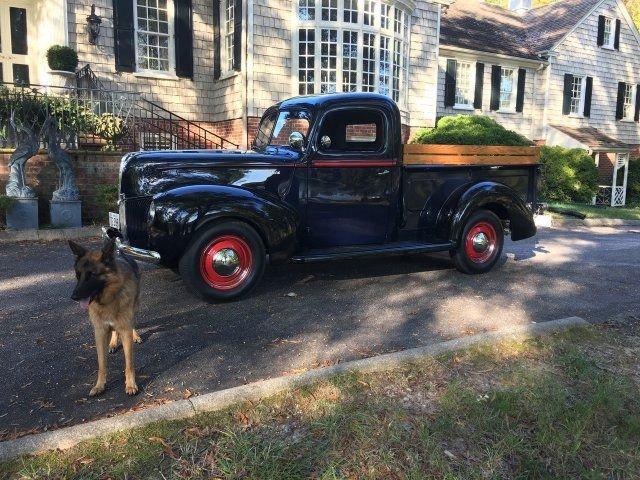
(450, 455)
(187, 393)
(291, 294)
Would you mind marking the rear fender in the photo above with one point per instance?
(180, 212)
(496, 197)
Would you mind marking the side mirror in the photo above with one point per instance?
(296, 141)
(325, 142)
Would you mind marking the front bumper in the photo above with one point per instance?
(140, 254)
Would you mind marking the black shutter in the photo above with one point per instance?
(566, 94)
(601, 30)
(616, 40)
(588, 90)
(477, 96)
(124, 44)
(216, 39)
(237, 35)
(636, 116)
(496, 76)
(450, 83)
(522, 76)
(184, 38)
(620, 101)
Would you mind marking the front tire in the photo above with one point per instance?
(223, 261)
(480, 245)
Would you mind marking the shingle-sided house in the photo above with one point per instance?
(563, 74)
(221, 63)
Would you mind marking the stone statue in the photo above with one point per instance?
(67, 188)
(27, 145)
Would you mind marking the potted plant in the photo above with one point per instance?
(63, 62)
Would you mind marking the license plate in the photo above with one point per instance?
(114, 220)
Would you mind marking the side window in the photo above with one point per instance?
(358, 130)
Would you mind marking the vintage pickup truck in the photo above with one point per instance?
(327, 178)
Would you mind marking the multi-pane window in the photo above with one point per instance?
(330, 10)
(369, 12)
(507, 97)
(153, 35)
(384, 74)
(385, 16)
(349, 61)
(307, 59)
(307, 10)
(627, 104)
(228, 31)
(351, 11)
(369, 63)
(352, 45)
(577, 95)
(608, 37)
(464, 85)
(328, 60)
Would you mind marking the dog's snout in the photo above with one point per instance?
(75, 296)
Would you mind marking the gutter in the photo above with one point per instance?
(529, 61)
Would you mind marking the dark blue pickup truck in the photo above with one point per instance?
(325, 179)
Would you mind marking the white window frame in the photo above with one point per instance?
(610, 36)
(628, 108)
(583, 89)
(513, 92)
(471, 86)
(170, 73)
(376, 30)
(227, 31)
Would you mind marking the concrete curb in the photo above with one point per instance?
(71, 436)
(550, 221)
(9, 236)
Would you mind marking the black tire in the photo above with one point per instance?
(471, 259)
(199, 272)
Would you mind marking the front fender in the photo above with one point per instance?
(182, 211)
(497, 197)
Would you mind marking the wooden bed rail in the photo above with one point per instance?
(415, 154)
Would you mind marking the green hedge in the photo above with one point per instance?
(60, 57)
(469, 130)
(567, 175)
(633, 183)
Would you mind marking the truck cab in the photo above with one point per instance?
(326, 178)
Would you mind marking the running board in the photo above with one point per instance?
(342, 253)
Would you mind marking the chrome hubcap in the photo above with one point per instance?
(226, 262)
(480, 242)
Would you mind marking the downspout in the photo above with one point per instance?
(248, 4)
(545, 111)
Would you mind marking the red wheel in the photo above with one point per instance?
(223, 261)
(480, 244)
(226, 262)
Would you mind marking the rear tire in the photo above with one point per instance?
(223, 261)
(480, 245)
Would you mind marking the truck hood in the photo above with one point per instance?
(148, 173)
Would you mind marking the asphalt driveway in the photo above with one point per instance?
(300, 317)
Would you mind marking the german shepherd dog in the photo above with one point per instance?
(109, 288)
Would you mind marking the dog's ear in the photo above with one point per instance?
(109, 252)
(78, 250)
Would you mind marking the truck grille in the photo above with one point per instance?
(136, 218)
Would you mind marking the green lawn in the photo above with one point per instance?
(626, 213)
(565, 406)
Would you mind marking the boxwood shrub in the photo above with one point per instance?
(469, 130)
(60, 57)
(567, 175)
(633, 183)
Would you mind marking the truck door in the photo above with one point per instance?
(351, 167)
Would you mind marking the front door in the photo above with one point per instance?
(16, 23)
(350, 179)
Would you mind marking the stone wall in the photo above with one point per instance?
(92, 169)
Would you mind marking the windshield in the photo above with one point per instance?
(276, 127)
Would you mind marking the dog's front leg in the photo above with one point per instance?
(126, 337)
(102, 339)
